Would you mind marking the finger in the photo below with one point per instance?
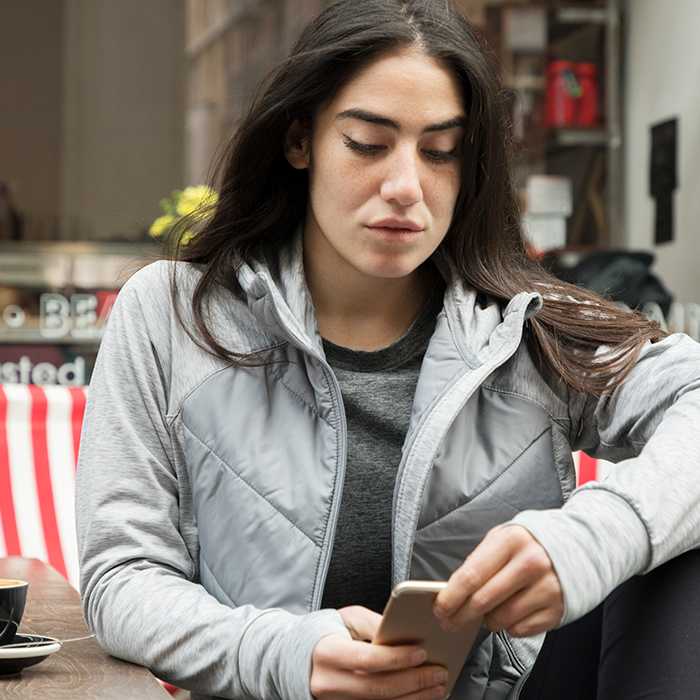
(361, 622)
(545, 596)
(529, 567)
(338, 652)
(410, 683)
(488, 558)
(526, 584)
(377, 686)
(540, 621)
(491, 555)
(436, 693)
(487, 598)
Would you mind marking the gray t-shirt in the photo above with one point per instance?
(378, 389)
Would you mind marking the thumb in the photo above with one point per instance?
(361, 622)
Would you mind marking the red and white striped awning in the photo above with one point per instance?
(39, 437)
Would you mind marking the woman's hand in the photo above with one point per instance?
(510, 580)
(343, 669)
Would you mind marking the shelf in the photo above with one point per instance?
(32, 336)
(581, 15)
(56, 265)
(527, 82)
(578, 136)
(576, 42)
(588, 155)
(564, 137)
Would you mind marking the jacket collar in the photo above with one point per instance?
(277, 295)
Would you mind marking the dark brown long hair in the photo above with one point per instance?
(262, 199)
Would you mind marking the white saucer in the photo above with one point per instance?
(14, 659)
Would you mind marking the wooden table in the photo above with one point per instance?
(80, 670)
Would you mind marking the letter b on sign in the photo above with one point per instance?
(54, 314)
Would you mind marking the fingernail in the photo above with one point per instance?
(418, 657)
(447, 625)
(440, 676)
(438, 694)
(439, 612)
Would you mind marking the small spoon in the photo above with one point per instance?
(44, 642)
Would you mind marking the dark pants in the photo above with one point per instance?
(642, 642)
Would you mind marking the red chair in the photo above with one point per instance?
(589, 469)
(39, 438)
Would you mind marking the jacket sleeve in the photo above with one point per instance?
(138, 577)
(648, 510)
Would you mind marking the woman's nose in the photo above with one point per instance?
(402, 179)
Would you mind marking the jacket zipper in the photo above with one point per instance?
(318, 594)
(481, 373)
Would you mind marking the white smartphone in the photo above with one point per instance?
(409, 619)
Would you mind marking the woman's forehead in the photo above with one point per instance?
(401, 87)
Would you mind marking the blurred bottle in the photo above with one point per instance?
(587, 77)
(562, 90)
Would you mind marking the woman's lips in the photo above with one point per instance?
(399, 233)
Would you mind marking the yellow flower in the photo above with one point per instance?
(195, 202)
(192, 198)
(186, 237)
(162, 225)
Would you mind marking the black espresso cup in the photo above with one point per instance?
(13, 596)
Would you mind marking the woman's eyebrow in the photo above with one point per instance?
(373, 118)
(370, 117)
(449, 124)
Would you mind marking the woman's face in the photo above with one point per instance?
(384, 168)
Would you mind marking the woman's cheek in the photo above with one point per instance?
(353, 180)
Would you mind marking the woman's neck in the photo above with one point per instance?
(367, 313)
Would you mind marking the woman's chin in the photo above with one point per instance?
(392, 269)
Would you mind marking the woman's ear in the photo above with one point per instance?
(295, 147)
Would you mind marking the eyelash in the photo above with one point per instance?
(369, 150)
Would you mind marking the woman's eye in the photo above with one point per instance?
(441, 156)
(365, 149)
(369, 149)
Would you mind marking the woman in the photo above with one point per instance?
(356, 376)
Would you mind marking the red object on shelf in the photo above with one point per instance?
(561, 104)
(587, 77)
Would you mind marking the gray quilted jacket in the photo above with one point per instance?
(208, 493)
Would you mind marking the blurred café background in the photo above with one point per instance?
(107, 106)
